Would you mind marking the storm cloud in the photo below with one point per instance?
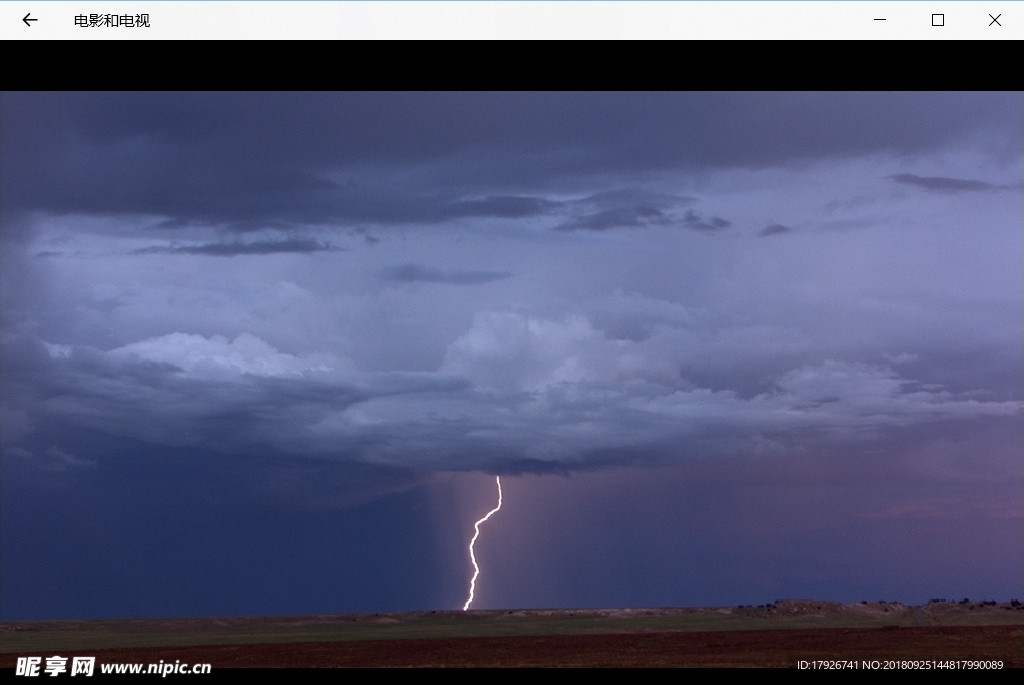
(511, 392)
(606, 312)
(638, 316)
(252, 160)
(774, 229)
(266, 351)
(240, 248)
(946, 185)
(694, 220)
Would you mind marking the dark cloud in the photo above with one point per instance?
(507, 207)
(480, 411)
(248, 159)
(774, 229)
(622, 208)
(301, 416)
(262, 247)
(413, 273)
(695, 220)
(942, 184)
(630, 217)
(618, 218)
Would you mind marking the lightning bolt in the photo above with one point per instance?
(472, 557)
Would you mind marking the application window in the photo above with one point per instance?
(509, 19)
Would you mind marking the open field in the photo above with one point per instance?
(772, 635)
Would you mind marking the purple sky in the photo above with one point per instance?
(261, 352)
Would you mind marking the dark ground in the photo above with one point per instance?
(776, 635)
(745, 648)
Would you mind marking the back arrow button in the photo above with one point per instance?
(27, 20)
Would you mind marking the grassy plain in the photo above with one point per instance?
(56, 636)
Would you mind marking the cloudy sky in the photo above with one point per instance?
(265, 353)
